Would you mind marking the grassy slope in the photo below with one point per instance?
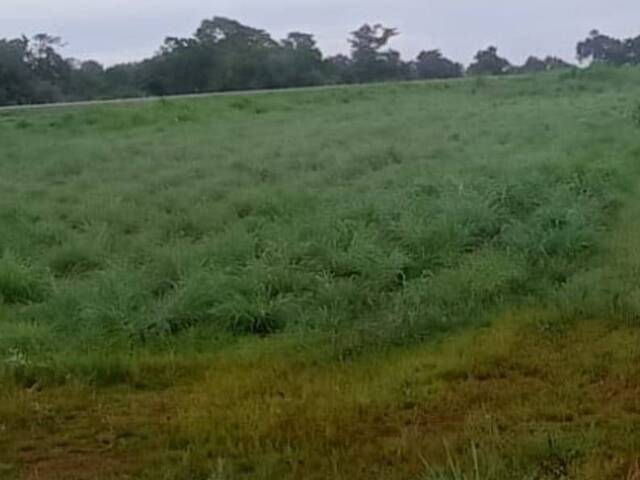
(140, 245)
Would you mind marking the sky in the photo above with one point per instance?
(113, 31)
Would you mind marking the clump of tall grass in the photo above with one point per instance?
(108, 307)
(540, 457)
(259, 300)
(20, 282)
(73, 259)
(453, 470)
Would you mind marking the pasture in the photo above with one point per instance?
(422, 281)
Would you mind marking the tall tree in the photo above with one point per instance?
(370, 62)
(242, 53)
(222, 30)
(45, 60)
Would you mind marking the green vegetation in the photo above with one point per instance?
(418, 280)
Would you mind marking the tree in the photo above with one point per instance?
(16, 78)
(370, 63)
(632, 47)
(45, 61)
(368, 40)
(488, 62)
(302, 42)
(221, 30)
(533, 65)
(86, 80)
(432, 64)
(339, 69)
(223, 54)
(298, 62)
(241, 52)
(124, 80)
(601, 48)
(181, 66)
(32, 71)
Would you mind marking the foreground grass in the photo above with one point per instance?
(532, 401)
(278, 287)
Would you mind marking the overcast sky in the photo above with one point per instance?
(120, 30)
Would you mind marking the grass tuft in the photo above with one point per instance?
(21, 283)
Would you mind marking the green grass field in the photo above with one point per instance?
(421, 281)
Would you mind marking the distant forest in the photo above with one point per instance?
(225, 55)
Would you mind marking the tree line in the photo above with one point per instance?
(223, 55)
